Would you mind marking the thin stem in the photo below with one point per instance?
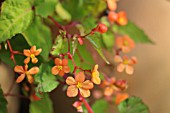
(11, 51)
(88, 107)
(56, 23)
(16, 95)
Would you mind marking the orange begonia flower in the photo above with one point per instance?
(31, 54)
(111, 86)
(23, 71)
(95, 75)
(78, 106)
(122, 19)
(78, 85)
(125, 43)
(112, 4)
(61, 67)
(125, 64)
(121, 97)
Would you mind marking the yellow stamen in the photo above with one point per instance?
(79, 85)
(126, 43)
(60, 67)
(27, 73)
(32, 56)
(126, 62)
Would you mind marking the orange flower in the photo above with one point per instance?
(112, 5)
(61, 67)
(78, 85)
(112, 16)
(122, 19)
(125, 43)
(78, 106)
(31, 54)
(121, 97)
(125, 64)
(95, 75)
(112, 86)
(23, 71)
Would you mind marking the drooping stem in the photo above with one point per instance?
(88, 107)
(11, 51)
(56, 23)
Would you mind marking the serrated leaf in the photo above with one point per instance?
(45, 79)
(133, 32)
(46, 8)
(3, 102)
(133, 105)
(16, 16)
(100, 106)
(62, 13)
(41, 106)
(95, 41)
(18, 43)
(38, 34)
(58, 46)
(108, 39)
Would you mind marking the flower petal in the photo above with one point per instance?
(87, 85)
(70, 81)
(130, 41)
(37, 52)
(96, 79)
(96, 67)
(34, 60)
(58, 61)
(108, 91)
(20, 78)
(80, 77)
(64, 62)
(55, 70)
(19, 69)
(27, 60)
(129, 69)
(27, 52)
(33, 70)
(30, 79)
(118, 59)
(72, 91)
(120, 67)
(85, 93)
(119, 42)
(61, 73)
(33, 49)
(66, 69)
(121, 97)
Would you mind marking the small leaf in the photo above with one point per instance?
(38, 34)
(41, 106)
(100, 106)
(46, 8)
(133, 32)
(16, 16)
(3, 102)
(45, 79)
(63, 14)
(108, 39)
(133, 105)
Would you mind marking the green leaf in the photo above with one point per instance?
(16, 16)
(58, 46)
(46, 8)
(95, 41)
(100, 106)
(133, 105)
(18, 43)
(3, 102)
(45, 79)
(133, 32)
(41, 106)
(108, 39)
(63, 13)
(38, 34)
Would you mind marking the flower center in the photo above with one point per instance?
(126, 43)
(79, 85)
(27, 73)
(32, 56)
(60, 67)
(126, 62)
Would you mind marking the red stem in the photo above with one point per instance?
(11, 51)
(56, 23)
(88, 107)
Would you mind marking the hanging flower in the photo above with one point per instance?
(31, 54)
(24, 72)
(125, 64)
(61, 67)
(111, 86)
(122, 18)
(121, 97)
(95, 75)
(78, 84)
(125, 43)
(78, 106)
